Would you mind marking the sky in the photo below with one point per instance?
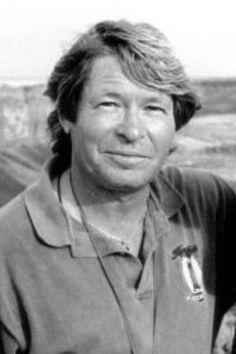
(34, 34)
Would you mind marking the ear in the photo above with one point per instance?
(66, 125)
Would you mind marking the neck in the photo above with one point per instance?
(108, 201)
(117, 213)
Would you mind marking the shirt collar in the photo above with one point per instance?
(166, 195)
(45, 211)
(51, 222)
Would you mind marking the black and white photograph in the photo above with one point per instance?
(117, 177)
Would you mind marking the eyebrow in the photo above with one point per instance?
(119, 93)
(110, 93)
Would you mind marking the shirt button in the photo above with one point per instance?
(126, 247)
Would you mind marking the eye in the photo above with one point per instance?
(108, 104)
(152, 108)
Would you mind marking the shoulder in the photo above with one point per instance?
(14, 226)
(200, 186)
(189, 178)
(11, 213)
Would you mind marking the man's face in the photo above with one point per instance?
(123, 131)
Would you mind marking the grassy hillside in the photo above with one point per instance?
(217, 96)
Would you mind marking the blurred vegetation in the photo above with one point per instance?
(23, 112)
(217, 96)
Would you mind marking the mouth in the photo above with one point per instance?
(128, 154)
(127, 159)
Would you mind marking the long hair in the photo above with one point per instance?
(145, 57)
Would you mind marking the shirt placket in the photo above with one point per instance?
(130, 301)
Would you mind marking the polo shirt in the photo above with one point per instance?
(58, 296)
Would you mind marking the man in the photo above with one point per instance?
(107, 253)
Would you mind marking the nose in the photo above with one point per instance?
(131, 127)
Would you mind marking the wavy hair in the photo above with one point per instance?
(145, 57)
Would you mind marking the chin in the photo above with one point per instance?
(126, 182)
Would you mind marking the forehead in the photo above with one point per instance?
(107, 76)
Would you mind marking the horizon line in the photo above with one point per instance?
(38, 80)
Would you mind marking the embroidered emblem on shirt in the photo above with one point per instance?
(191, 270)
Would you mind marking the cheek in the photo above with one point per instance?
(84, 134)
(94, 127)
(86, 142)
(162, 134)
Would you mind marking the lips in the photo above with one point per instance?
(129, 154)
(127, 159)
